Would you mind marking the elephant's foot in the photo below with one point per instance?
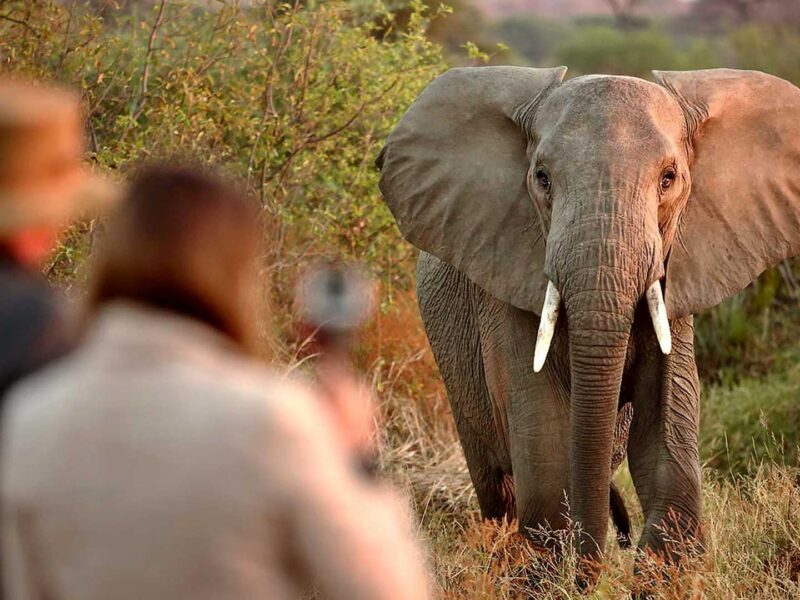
(673, 539)
(670, 556)
(680, 573)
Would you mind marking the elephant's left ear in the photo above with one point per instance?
(743, 212)
(453, 173)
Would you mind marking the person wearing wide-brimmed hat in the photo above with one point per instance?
(43, 186)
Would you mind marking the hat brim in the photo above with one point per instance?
(87, 196)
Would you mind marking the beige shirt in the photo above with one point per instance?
(156, 462)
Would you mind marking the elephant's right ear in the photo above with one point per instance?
(454, 176)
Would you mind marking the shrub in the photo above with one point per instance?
(533, 38)
(603, 49)
(773, 50)
(753, 422)
(295, 99)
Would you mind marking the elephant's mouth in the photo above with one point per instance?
(552, 305)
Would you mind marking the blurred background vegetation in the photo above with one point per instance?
(296, 98)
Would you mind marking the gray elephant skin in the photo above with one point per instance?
(601, 212)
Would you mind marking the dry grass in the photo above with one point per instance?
(752, 525)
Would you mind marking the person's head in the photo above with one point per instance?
(43, 182)
(186, 241)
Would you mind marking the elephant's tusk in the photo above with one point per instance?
(547, 325)
(658, 312)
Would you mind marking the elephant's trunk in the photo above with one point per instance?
(602, 272)
(598, 345)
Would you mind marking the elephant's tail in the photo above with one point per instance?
(620, 517)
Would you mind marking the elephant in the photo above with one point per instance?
(569, 230)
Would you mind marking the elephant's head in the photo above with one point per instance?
(586, 194)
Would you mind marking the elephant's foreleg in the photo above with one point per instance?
(663, 443)
(539, 433)
(537, 409)
(448, 305)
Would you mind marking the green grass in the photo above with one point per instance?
(754, 421)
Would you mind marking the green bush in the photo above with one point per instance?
(734, 335)
(754, 422)
(771, 50)
(743, 336)
(533, 38)
(295, 98)
(603, 49)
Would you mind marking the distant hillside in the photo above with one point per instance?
(562, 9)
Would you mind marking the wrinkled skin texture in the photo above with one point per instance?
(506, 414)
(514, 424)
(601, 185)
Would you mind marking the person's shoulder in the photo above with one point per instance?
(271, 388)
(256, 384)
(32, 408)
(285, 402)
(41, 391)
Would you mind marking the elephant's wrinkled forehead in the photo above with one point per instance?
(602, 113)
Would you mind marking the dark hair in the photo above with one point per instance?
(187, 241)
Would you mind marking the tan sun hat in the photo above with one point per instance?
(43, 179)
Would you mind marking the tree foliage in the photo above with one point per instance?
(773, 50)
(602, 49)
(294, 98)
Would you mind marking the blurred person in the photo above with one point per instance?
(43, 185)
(160, 461)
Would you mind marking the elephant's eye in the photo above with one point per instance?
(543, 179)
(667, 179)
